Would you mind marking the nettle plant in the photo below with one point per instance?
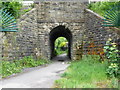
(113, 58)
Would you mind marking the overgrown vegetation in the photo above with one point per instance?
(102, 7)
(113, 58)
(11, 67)
(15, 7)
(109, 10)
(87, 73)
(61, 46)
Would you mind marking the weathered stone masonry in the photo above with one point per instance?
(16, 45)
(54, 14)
(33, 37)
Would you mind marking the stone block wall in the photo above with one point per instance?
(76, 29)
(33, 36)
(94, 25)
(16, 45)
(2, 40)
(8, 45)
(56, 12)
(95, 31)
(27, 36)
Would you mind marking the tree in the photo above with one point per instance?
(13, 6)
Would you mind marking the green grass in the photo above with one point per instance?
(87, 73)
(8, 68)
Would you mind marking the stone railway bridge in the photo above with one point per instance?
(40, 27)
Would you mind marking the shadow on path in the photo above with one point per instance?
(62, 57)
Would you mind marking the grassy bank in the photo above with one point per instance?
(87, 73)
(11, 67)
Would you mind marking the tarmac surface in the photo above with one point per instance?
(39, 77)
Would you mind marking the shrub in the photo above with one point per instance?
(28, 61)
(113, 58)
(13, 7)
(8, 68)
(101, 7)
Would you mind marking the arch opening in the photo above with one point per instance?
(60, 31)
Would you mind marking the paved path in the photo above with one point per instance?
(40, 77)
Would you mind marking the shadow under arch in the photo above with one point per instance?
(60, 31)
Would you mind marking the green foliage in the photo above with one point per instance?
(28, 62)
(109, 10)
(113, 57)
(16, 66)
(13, 7)
(87, 73)
(9, 68)
(114, 82)
(60, 42)
(59, 51)
(101, 7)
(0, 4)
(112, 16)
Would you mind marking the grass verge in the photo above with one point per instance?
(87, 73)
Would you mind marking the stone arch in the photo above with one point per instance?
(60, 31)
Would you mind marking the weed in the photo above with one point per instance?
(8, 68)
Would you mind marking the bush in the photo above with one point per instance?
(101, 7)
(13, 7)
(113, 58)
(28, 62)
(9, 68)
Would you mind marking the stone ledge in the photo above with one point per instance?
(97, 15)
(26, 14)
(111, 29)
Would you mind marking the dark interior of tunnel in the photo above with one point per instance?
(60, 31)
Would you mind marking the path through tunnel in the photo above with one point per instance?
(60, 31)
